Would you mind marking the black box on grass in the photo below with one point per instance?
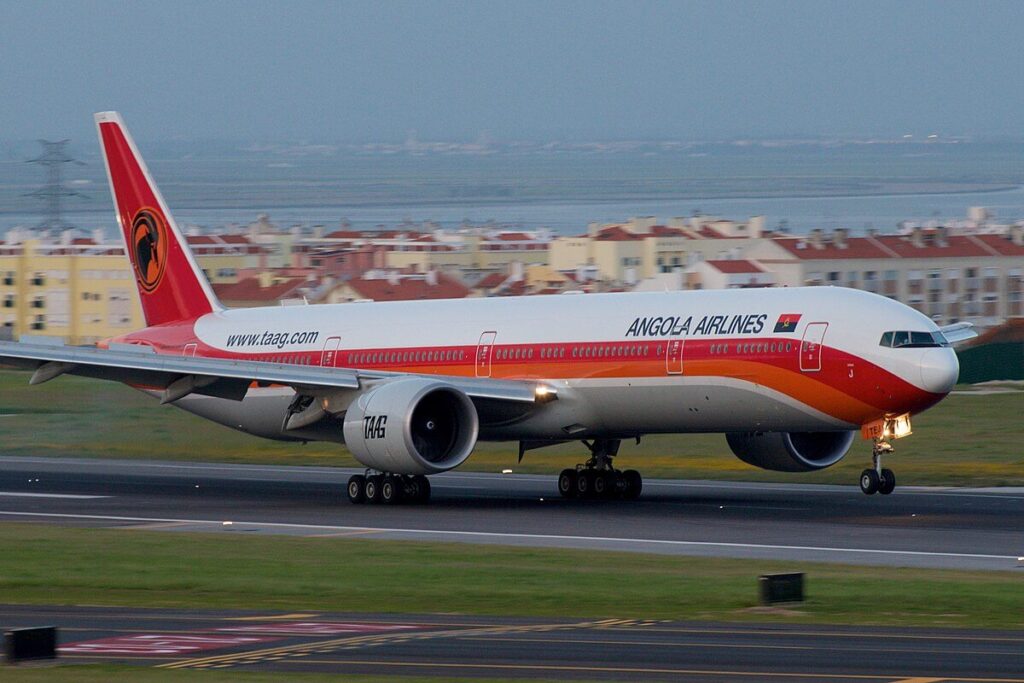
(776, 588)
(24, 644)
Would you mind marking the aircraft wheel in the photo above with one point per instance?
(372, 488)
(357, 489)
(634, 484)
(869, 482)
(584, 484)
(422, 486)
(601, 484)
(390, 491)
(567, 483)
(887, 482)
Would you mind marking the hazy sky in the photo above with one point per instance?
(349, 71)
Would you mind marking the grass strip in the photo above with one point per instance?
(123, 567)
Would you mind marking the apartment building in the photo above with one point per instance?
(77, 288)
(641, 248)
(465, 250)
(949, 277)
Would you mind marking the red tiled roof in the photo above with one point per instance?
(735, 266)
(513, 236)
(902, 246)
(1001, 244)
(81, 241)
(407, 289)
(665, 231)
(249, 289)
(956, 247)
(616, 233)
(491, 281)
(1010, 331)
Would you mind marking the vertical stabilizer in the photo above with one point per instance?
(172, 287)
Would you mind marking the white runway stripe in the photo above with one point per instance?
(71, 496)
(619, 543)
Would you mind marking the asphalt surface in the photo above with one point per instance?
(914, 527)
(446, 646)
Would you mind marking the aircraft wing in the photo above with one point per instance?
(179, 376)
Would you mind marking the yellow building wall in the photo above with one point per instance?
(81, 298)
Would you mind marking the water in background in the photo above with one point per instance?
(803, 186)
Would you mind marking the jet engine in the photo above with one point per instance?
(790, 452)
(412, 426)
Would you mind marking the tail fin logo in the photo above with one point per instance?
(149, 241)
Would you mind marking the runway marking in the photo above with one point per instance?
(881, 634)
(356, 642)
(158, 644)
(284, 617)
(158, 525)
(343, 534)
(523, 536)
(638, 670)
(745, 646)
(69, 496)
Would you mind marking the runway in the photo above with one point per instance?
(458, 646)
(915, 527)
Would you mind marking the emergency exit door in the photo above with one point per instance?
(810, 347)
(484, 353)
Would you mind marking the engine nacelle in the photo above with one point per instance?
(790, 452)
(412, 426)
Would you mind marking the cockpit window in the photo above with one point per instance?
(912, 340)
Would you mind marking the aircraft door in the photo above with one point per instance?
(484, 351)
(330, 354)
(810, 347)
(674, 356)
(190, 350)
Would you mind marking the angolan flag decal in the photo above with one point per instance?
(787, 322)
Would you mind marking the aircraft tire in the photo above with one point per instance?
(869, 481)
(584, 484)
(567, 483)
(887, 482)
(390, 491)
(422, 486)
(356, 489)
(634, 484)
(372, 488)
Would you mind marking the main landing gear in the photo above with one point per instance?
(877, 479)
(388, 489)
(597, 478)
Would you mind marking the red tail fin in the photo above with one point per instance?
(171, 285)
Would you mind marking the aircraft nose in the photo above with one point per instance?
(940, 370)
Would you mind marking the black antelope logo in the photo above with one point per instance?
(149, 247)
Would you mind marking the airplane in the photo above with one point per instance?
(789, 375)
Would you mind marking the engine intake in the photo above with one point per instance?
(412, 426)
(790, 452)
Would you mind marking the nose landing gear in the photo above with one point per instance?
(878, 479)
(598, 478)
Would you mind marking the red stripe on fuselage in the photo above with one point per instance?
(846, 387)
